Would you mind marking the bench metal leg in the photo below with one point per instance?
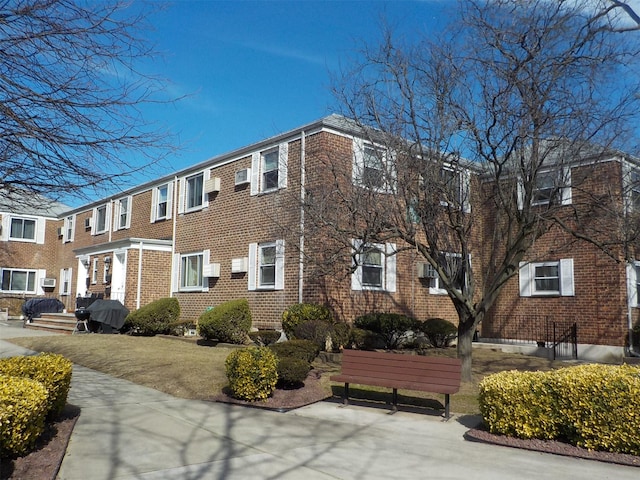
(394, 401)
(345, 396)
(446, 406)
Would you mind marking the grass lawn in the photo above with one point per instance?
(188, 370)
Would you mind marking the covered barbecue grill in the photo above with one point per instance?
(109, 314)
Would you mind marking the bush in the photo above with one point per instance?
(51, 370)
(391, 327)
(592, 406)
(340, 335)
(300, 349)
(154, 318)
(264, 338)
(439, 332)
(23, 407)
(315, 331)
(252, 373)
(229, 322)
(292, 371)
(304, 312)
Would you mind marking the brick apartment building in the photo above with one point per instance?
(232, 227)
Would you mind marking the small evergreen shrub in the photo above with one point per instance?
(292, 371)
(229, 322)
(23, 407)
(315, 331)
(51, 370)
(304, 312)
(300, 349)
(439, 332)
(340, 335)
(252, 373)
(154, 318)
(591, 406)
(264, 338)
(391, 327)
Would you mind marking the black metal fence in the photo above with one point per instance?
(540, 330)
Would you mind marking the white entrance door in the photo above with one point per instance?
(119, 275)
(83, 271)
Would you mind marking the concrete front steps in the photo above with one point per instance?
(64, 323)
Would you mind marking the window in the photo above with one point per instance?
(18, 281)
(161, 202)
(23, 229)
(106, 278)
(269, 169)
(633, 283)
(266, 265)
(68, 228)
(65, 281)
(451, 187)
(553, 278)
(634, 191)
(123, 213)
(371, 167)
(453, 266)
(94, 271)
(101, 219)
(191, 272)
(195, 191)
(552, 188)
(374, 267)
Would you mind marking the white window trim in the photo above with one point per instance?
(204, 281)
(357, 170)
(107, 219)
(464, 186)
(565, 192)
(69, 229)
(38, 274)
(633, 296)
(117, 214)
(257, 187)
(183, 192)
(66, 276)
(254, 266)
(389, 251)
(155, 202)
(105, 269)
(565, 273)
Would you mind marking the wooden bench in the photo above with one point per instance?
(393, 370)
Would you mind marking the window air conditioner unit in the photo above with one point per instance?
(59, 231)
(48, 282)
(240, 265)
(88, 222)
(211, 270)
(425, 270)
(243, 176)
(212, 185)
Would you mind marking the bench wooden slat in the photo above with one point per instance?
(398, 371)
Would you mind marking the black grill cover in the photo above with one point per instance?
(108, 312)
(33, 307)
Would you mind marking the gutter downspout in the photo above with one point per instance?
(139, 289)
(302, 199)
(174, 215)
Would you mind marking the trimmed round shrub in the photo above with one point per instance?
(315, 331)
(264, 338)
(340, 335)
(53, 371)
(252, 373)
(155, 318)
(23, 407)
(439, 332)
(300, 349)
(292, 371)
(391, 327)
(229, 322)
(304, 312)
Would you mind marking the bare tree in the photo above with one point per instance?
(473, 133)
(69, 97)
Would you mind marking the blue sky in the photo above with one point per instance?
(253, 69)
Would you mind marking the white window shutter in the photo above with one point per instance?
(41, 224)
(390, 267)
(206, 175)
(169, 200)
(566, 189)
(129, 211)
(279, 265)
(283, 160)
(116, 216)
(73, 228)
(632, 284)
(182, 186)
(175, 273)
(356, 276)
(108, 215)
(567, 288)
(525, 279)
(206, 259)
(253, 259)
(6, 225)
(154, 204)
(94, 221)
(358, 160)
(255, 173)
(520, 194)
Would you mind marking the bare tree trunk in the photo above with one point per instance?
(466, 331)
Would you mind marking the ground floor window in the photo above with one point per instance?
(18, 281)
(191, 277)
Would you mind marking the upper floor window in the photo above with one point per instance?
(23, 229)
(451, 187)
(101, 219)
(634, 189)
(195, 191)
(161, 201)
(266, 265)
(123, 213)
(68, 228)
(269, 169)
(192, 195)
(18, 281)
(375, 266)
(553, 278)
(372, 168)
(552, 187)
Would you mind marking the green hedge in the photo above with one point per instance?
(252, 373)
(301, 313)
(591, 406)
(154, 318)
(390, 327)
(292, 371)
(51, 370)
(301, 349)
(23, 407)
(229, 322)
(439, 332)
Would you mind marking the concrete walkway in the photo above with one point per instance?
(126, 431)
